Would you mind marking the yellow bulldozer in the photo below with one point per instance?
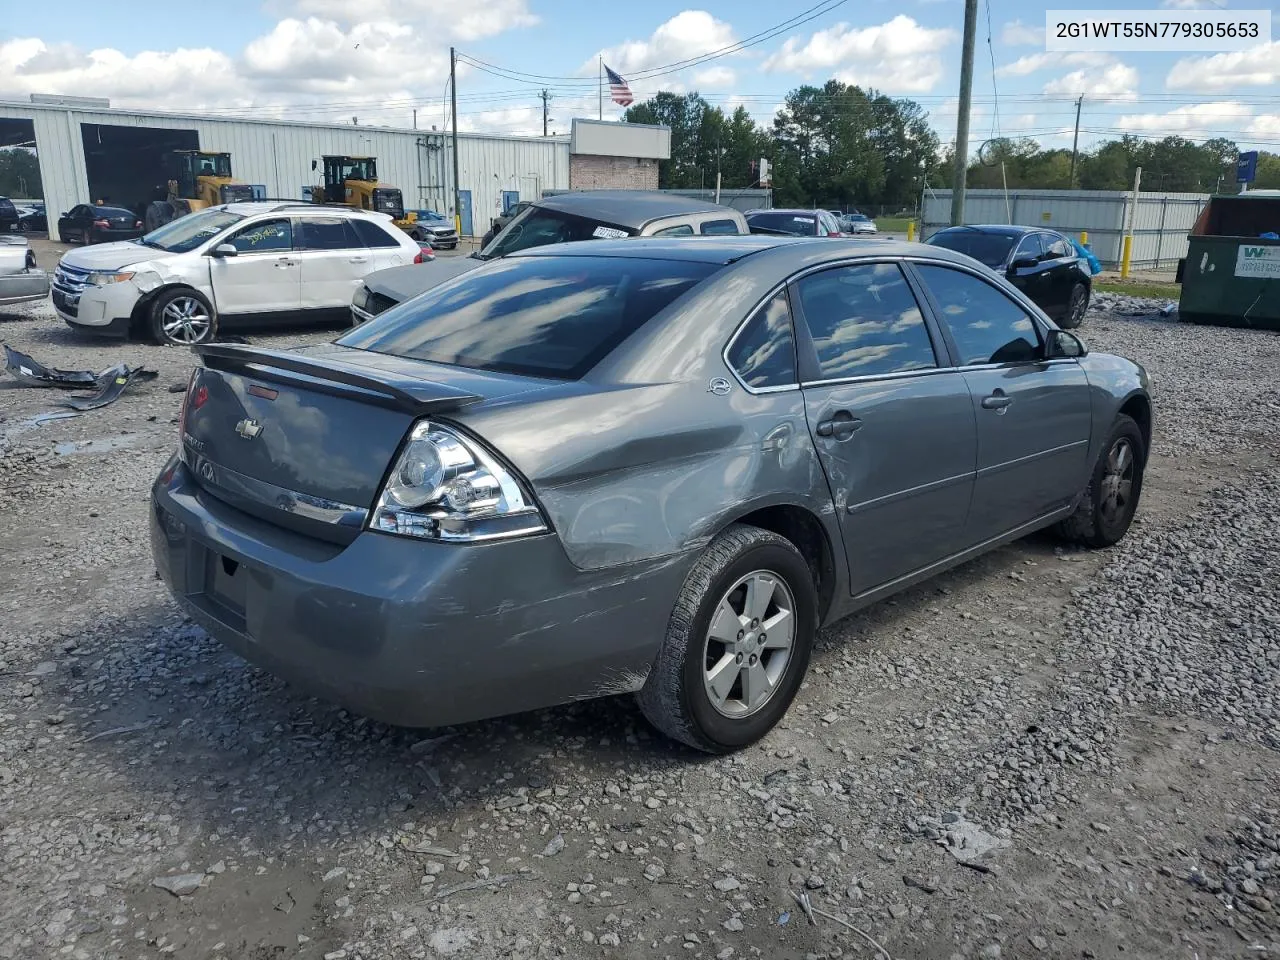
(197, 179)
(354, 181)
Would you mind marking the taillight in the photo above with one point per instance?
(425, 255)
(102, 224)
(137, 224)
(193, 398)
(446, 486)
(831, 234)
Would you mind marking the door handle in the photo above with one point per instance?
(358, 260)
(997, 401)
(840, 426)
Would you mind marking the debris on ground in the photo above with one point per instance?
(35, 374)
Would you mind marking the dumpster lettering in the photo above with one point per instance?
(1258, 261)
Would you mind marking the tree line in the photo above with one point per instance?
(839, 145)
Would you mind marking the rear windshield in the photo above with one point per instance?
(536, 227)
(800, 224)
(988, 248)
(539, 316)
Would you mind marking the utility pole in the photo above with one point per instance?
(962, 113)
(1075, 143)
(415, 118)
(453, 95)
(600, 90)
(546, 100)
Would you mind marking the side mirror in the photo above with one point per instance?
(64, 214)
(1023, 263)
(225, 250)
(1062, 344)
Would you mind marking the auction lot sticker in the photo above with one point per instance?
(1151, 31)
(1253, 261)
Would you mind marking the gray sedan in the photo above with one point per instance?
(642, 466)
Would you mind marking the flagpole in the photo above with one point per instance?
(600, 89)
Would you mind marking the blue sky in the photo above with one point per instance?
(379, 59)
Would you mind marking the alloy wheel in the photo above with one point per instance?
(1117, 481)
(185, 320)
(749, 644)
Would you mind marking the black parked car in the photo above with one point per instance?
(98, 224)
(33, 221)
(1043, 264)
(8, 215)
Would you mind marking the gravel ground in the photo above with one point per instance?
(1047, 752)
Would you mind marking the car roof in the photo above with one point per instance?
(998, 229)
(729, 249)
(788, 210)
(251, 208)
(628, 208)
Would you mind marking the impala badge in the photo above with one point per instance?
(248, 428)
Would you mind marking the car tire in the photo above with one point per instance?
(1077, 306)
(677, 697)
(1115, 487)
(182, 317)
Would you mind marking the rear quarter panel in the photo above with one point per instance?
(646, 471)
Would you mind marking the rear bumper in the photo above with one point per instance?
(411, 633)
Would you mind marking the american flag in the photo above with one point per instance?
(619, 92)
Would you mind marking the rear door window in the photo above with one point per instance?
(327, 233)
(543, 316)
(372, 235)
(720, 228)
(864, 322)
(1029, 248)
(1059, 248)
(679, 230)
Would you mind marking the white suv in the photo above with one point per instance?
(252, 262)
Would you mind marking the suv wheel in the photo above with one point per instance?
(182, 317)
(737, 644)
(1077, 306)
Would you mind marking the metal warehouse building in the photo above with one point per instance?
(1161, 221)
(89, 152)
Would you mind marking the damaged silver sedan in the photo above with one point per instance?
(642, 466)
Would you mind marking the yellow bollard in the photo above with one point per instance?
(1126, 256)
(1084, 238)
(911, 231)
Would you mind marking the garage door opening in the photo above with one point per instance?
(127, 166)
(20, 175)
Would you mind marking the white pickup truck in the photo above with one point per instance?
(21, 280)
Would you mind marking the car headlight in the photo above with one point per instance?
(361, 299)
(445, 486)
(100, 278)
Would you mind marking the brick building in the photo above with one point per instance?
(604, 155)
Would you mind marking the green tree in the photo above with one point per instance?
(20, 174)
(1268, 172)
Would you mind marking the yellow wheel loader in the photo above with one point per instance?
(354, 182)
(197, 179)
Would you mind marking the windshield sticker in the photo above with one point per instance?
(609, 233)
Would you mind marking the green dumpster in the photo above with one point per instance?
(1231, 276)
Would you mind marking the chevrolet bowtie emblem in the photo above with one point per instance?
(248, 428)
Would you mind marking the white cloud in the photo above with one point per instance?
(714, 77)
(689, 34)
(1256, 67)
(1018, 34)
(377, 60)
(899, 56)
(1034, 62)
(1197, 121)
(1118, 82)
(472, 20)
(1189, 4)
(150, 78)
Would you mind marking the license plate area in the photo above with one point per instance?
(226, 583)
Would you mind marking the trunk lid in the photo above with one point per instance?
(304, 438)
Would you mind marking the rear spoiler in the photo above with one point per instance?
(410, 394)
